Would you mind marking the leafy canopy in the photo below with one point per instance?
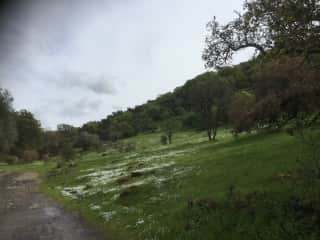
(270, 26)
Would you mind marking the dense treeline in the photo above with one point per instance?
(20, 132)
(253, 95)
(23, 140)
(190, 106)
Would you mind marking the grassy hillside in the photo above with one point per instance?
(145, 193)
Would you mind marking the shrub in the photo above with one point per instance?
(67, 151)
(30, 155)
(240, 116)
(62, 167)
(87, 141)
(8, 159)
(45, 157)
(164, 139)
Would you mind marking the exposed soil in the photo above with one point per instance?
(26, 214)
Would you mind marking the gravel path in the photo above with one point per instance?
(26, 214)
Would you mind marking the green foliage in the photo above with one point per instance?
(286, 89)
(192, 120)
(87, 141)
(29, 131)
(67, 151)
(123, 146)
(9, 159)
(169, 127)
(280, 90)
(20, 132)
(68, 132)
(208, 96)
(153, 110)
(240, 108)
(8, 131)
(279, 27)
(30, 155)
(51, 142)
(91, 127)
(164, 139)
(62, 168)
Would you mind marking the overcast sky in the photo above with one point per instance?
(75, 61)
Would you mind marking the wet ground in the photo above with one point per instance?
(26, 214)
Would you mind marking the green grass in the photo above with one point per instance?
(152, 204)
(39, 167)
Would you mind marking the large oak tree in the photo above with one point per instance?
(290, 27)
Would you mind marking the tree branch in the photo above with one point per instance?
(254, 45)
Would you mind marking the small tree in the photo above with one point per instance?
(67, 151)
(50, 144)
(164, 139)
(169, 127)
(239, 112)
(68, 132)
(209, 98)
(30, 155)
(29, 131)
(8, 131)
(87, 141)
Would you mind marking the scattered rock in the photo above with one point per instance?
(34, 206)
(10, 205)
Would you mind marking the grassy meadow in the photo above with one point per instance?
(146, 193)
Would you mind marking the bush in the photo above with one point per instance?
(164, 139)
(240, 112)
(62, 167)
(8, 159)
(30, 155)
(87, 141)
(67, 151)
(45, 157)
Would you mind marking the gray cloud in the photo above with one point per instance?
(71, 61)
(99, 84)
(69, 111)
(79, 108)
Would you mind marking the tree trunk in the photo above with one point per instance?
(214, 133)
(209, 131)
(170, 137)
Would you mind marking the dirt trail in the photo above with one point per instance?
(25, 214)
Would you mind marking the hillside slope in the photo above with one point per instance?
(145, 193)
